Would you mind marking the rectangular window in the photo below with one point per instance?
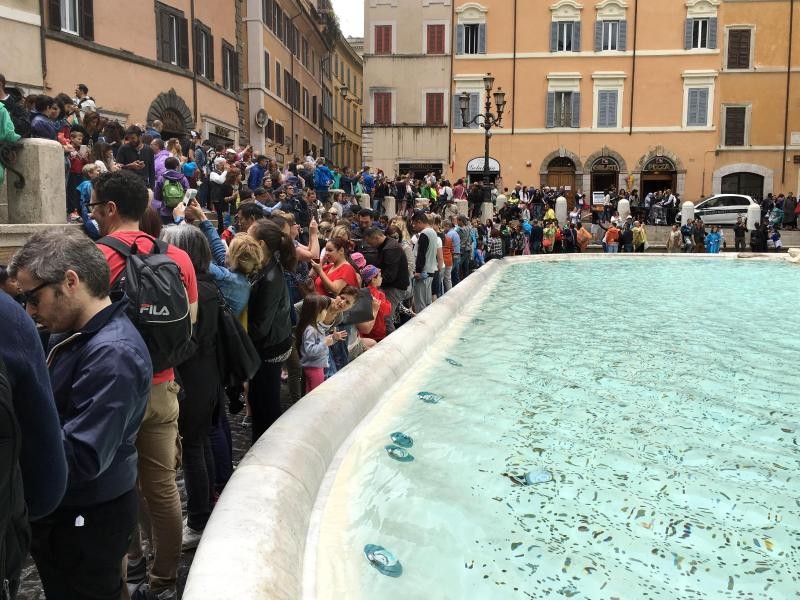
(327, 103)
(277, 21)
(434, 108)
(347, 114)
(278, 78)
(270, 129)
(383, 40)
(305, 52)
(266, 12)
(306, 147)
(230, 68)
(699, 33)
(607, 104)
(563, 109)
(69, 16)
(306, 107)
(610, 35)
(287, 87)
(471, 38)
(697, 107)
(435, 39)
(267, 70)
(172, 36)
(203, 51)
(382, 108)
(735, 121)
(314, 109)
(739, 48)
(279, 133)
(564, 38)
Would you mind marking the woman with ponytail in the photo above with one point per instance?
(269, 322)
(337, 272)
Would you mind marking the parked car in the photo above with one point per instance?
(722, 209)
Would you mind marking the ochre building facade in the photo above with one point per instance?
(688, 95)
(177, 61)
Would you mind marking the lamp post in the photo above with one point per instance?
(487, 120)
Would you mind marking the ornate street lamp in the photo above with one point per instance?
(487, 120)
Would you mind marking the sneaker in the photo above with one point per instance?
(137, 571)
(144, 592)
(247, 421)
(191, 537)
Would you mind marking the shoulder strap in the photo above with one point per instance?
(116, 244)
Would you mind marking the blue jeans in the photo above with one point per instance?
(612, 248)
(455, 274)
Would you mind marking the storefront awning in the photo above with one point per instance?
(476, 165)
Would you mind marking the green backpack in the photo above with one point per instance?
(172, 193)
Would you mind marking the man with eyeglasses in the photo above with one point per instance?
(32, 484)
(100, 374)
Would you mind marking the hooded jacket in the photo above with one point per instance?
(101, 383)
(42, 127)
(159, 160)
(168, 175)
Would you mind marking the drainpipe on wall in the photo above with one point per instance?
(633, 64)
(514, 72)
(194, 71)
(42, 45)
(788, 86)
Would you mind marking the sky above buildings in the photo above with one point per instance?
(351, 16)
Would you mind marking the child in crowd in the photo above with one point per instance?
(776, 240)
(312, 346)
(90, 172)
(480, 255)
(371, 276)
(170, 189)
(77, 156)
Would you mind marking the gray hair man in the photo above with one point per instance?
(100, 372)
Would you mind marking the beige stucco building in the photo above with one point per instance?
(286, 45)
(630, 94)
(176, 61)
(347, 75)
(21, 47)
(407, 74)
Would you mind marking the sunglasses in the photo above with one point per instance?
(31, 297)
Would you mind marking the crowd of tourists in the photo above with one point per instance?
(205, 282)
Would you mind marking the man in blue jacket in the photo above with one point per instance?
(257, 172)
(42, 466)
(100, 372)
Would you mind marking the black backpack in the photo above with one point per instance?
(15, 533)
(158, 304)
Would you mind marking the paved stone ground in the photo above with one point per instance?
(31, 588)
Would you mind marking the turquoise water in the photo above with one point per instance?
(662, 396)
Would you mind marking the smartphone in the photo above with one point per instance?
(191, 195)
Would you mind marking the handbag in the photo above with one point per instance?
(361, 311)
(237, 356)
